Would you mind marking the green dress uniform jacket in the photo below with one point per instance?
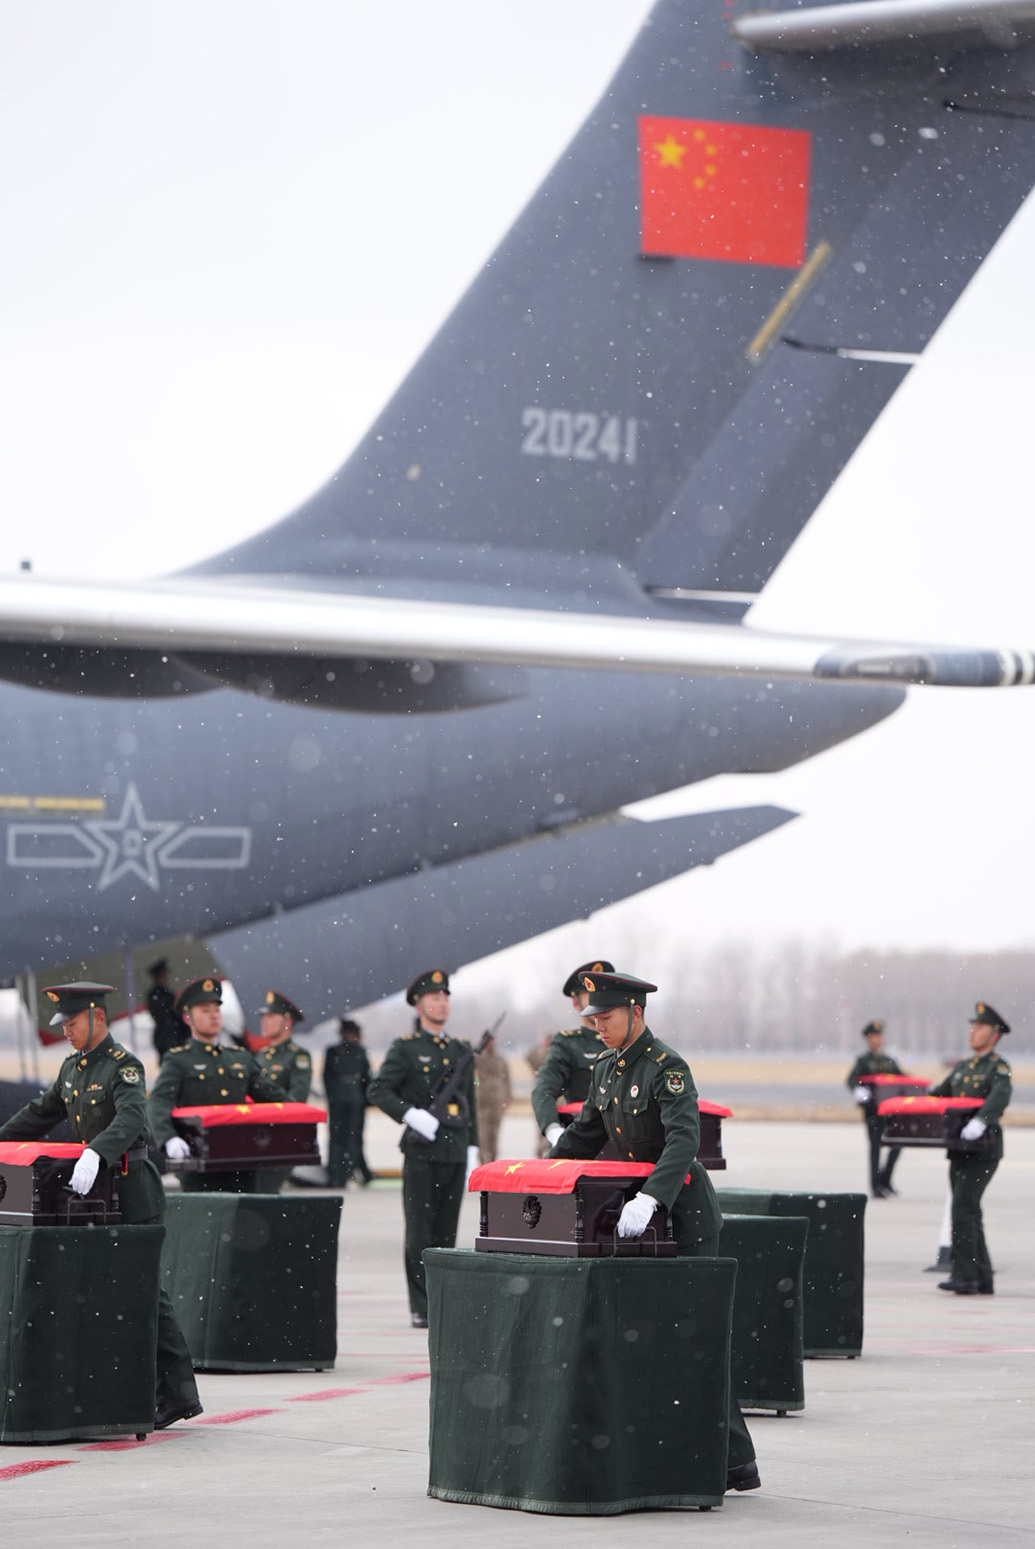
(103, 1095)
(200, 1074)
(289, 1066)
(986, 1076)
(413, 1066)
(565, 1073)
(870, 1064)
(644, 1101)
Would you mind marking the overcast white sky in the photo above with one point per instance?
(230, 229)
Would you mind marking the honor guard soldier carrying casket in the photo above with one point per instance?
(284, 1062)
(642, 1098)
(874, 1063)
(204, 1072)
(426, 1083)
(984, 1075)
(564, 1074)
(100, 1090)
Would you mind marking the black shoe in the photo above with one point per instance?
(886, 1186)
(418, 1320)
(168, 1414)
(960, 1287)
(743, 1476)
(986, 1290)
(879, 1191)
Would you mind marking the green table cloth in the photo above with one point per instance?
(767, 1341)
(78, 1325)
(833, 1273)
(578, 1386)
(253, 1279)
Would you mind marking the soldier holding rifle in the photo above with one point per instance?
(426, 1084)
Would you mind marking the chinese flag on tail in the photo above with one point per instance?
(734, 192)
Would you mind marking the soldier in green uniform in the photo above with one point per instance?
(346, 1076)
(986, 1075)
(284, 1062)
(642, 1098)
(161, 1003)
(203, 1072)
(100, 1090)
(439, 1151)
(564, 1075)
(875, 1063)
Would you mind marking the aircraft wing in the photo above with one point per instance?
(216, 617)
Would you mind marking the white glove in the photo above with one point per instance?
(84, 1173)
(553, 1133)
(972, 1130)
(473, 1158)
(861, 1094)
(635, 1214)
(422, 1121)
(176, 1148)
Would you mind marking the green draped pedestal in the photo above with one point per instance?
(767, 1342)
(833, 1274)
(253, 1279)
(578, 1386)
(78, 1326)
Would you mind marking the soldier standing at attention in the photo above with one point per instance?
(564, 1074)
(202, 1072)
(492, 1092)
(987, 1075)
(346, 1075)
(284, 1062)
(438, 1152)
(642, 1098)
(100, 1090)
(875, 1063)
(169, 1030)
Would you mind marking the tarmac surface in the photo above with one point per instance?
(927, 1439)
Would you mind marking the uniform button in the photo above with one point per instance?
(630, 1156)
(223, 1092)
(614, 1099)
(76, 1092)
(618, 1127)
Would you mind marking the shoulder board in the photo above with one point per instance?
(118, 1052)
(405, 1037)
(179, 1048)
(1003, 1068)
(570, 1032)
(662, 1057)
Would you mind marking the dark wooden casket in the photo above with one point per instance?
(565, 1209)
(34, 1187)
(230, 1136)
(710, 1151)
(881, 1087)
(931, 1121)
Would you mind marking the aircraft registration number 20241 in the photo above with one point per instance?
(580, 435)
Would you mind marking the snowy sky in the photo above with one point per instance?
(235, 226)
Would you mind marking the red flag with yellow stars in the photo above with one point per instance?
(733, 192)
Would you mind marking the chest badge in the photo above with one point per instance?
(634, 1091)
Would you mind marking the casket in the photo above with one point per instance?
(710, 1151)
(230, 1136)
(565, 1209)
(34, 1187)
(931, 1121)
(881, 1087)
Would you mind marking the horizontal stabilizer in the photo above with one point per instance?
(353, 949)
(868, 23)
(191, 615)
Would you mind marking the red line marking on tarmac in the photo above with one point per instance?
(312, 1398)
(18, 1469)
(376, 1382)
(233, 1415)
(130, 1441)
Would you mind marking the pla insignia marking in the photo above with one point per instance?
(51, 996)
(131, 1076)
(634, 1091)
(674, 1082)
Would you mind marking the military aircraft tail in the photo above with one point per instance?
(684, 336)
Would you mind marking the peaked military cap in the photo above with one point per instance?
(988, 1016)
(68, 1000)
(607, 990)
(573, 983)
(277, 1005)
(159, 966)
(873, 1027)
(199, 992)
(426, 984)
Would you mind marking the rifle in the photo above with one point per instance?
(447, 1102)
